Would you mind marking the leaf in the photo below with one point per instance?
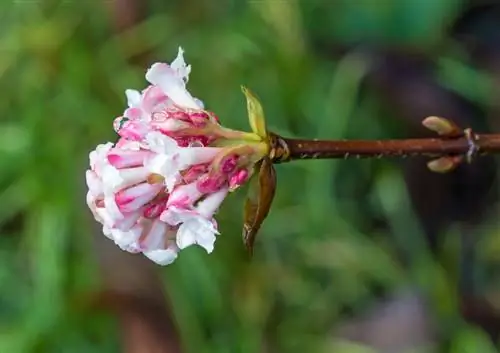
(259, 200)
(255, 113)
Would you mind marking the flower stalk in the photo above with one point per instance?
(454, 148)
(297, 149)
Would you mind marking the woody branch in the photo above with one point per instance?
(453, 143)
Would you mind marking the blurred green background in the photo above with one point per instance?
(355, 256)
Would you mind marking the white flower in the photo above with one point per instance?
(157, 189)
(170, 158)
(196, 226)
(172, 80)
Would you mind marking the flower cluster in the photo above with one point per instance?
(156, 190)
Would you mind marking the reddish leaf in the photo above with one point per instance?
(259, 200)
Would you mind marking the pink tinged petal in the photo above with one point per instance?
(199, 120)
(175, 215)
(211, 203)
(129, 220)
(128, 145)
(94, 183)
(184, 196)
(133, 97)
(170, 126)
(154, 210)
(171, 84)
(179, 115)
(107, 219)
(120, 158)
(166, 166)
(133, 198)
(133, 130)
(98, 156)
(152, 98)
(194, 172)
(134, 175)
(161, 143)
(116, 179)
(162, 257)
(110, 212)
(91, 203)
(133, 113)
(152, 238)
(127, 240)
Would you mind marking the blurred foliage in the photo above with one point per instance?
(318, 260)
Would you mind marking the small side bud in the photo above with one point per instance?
(444, 164)
(442, 126)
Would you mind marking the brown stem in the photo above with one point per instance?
(469, 144)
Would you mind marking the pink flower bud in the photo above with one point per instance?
(239, 178)
(154, 210)
(199, 119)
(208, 184)
(135, 197)
(194, 172)
(184, 196)
(229, 164)
(126, 159)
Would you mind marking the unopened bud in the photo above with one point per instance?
(444, 164)
(442, 126)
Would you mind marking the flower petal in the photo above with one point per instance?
(179, 65)
(94, 183)
(127, 240)
(172, 84)
(161, 143)
(153, 98)
(162, 257)
(184, 196)
(198, 230)
(134, 98)
(133, 198)
(152, 237)
(211, 203)
(197, 155)
(116, 179)
(120, 158)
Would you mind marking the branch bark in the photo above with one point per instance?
(469, 145)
